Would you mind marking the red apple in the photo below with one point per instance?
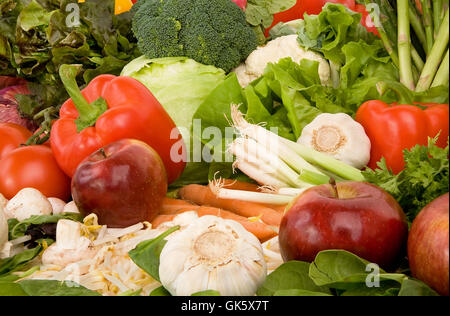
(124, 183)
(428, 245)
(354, 216)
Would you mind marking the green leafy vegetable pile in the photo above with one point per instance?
(42, 229)
(212, 32)
(260, 14)
(333, 273)
(425, 178)
(339, 273)
(37, 36)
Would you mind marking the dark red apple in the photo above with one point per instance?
(124, 183)
(428, 245)
(354, 216)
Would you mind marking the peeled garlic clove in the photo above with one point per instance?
(26, 203)
(339, 136)
(213, 254)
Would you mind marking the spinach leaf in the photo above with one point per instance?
(20, 228)
(387, 288)
(160, 291)
(16, 262)
(207, 293)
(411, 287)
(298, 292)
(54, 288)
(292, 275)
(340, 269)
(11, 289)
(146, 254)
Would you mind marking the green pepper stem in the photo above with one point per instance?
(88, 112)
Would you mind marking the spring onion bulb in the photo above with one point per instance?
(305, 163)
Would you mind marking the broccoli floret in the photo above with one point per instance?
(212, 32)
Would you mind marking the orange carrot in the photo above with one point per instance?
(278, 208)
(171, 206)
(262, 231)
(160, 219)
(202, 195)
(239, 185)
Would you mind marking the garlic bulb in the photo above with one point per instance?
(213, 254)
(339, 136)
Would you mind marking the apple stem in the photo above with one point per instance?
(88, 112)
(103, 153)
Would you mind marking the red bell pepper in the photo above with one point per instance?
(109, 109)
(394, 128)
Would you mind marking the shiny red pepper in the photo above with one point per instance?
(394, 128)
(109, 109)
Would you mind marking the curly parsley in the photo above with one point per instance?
(425, 177)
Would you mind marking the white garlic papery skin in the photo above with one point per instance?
(339, 136)
(213, 254)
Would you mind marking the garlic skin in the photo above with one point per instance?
(339, 136)
(213, 254)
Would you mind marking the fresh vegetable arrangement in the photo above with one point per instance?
(224, 148)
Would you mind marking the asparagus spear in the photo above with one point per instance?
(437, 16)
(404, 44)
(442, 76)
(435, 57)
(418, 62)
(428, 23)
(416, 23)
(386, 39)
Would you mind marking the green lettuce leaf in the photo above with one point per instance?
(181, 85)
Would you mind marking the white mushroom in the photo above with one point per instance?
(71, 207)
(26, 203)
(57, 205)
(70, 246)
(213, 254)
(339, 136)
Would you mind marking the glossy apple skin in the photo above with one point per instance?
(428, 245)
(353, 216)
(124, 183)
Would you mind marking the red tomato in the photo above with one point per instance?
(11, 137)
(33, 167)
